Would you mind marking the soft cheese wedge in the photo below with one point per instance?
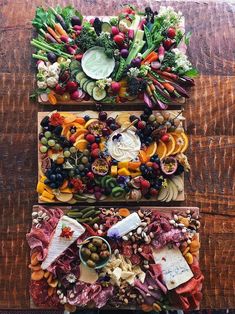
(59, 244)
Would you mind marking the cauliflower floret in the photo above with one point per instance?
(52, 81)
(42, 84)
(54, 69)
(42, 67)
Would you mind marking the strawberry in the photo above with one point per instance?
(94, 146)
(171, 32)
(90, 175)
(95, 153)
(145, 184)
(90, 138)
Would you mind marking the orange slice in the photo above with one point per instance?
(143, 156)
(89, 122)
(151, 150)
(79, 132)
(133, 165)
(170, 145)
(178, 142)
(80, 120)
(161, 149)
(186, 142)
(81, 145)
(70, 118)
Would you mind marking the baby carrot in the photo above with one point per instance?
(59, 29)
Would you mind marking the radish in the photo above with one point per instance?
(171, 32)
(75, 95)
(131, 33)
(71, 50)
(142, 23)
(161, 53)
(60, 90)
(71, 86)
(77, 27)
(115, 86)
(155, 65)
(119, 39)
(64, 38)
(92, 21)
(115, 30)
(43, 97)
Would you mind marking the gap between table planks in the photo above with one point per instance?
(113, 114)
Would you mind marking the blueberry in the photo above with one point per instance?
(97, 139)
(53, 185)
(179, 170)
(52, 177)
(82, 174)
(113, 127)
(41, 135)
(58, 170)
(152, 159)
(59, 177)
(70, 185)
(48, 173)
(142, 168)
(86, 170)
(114, 162)
(149, 139)
(86, 118)
(47, 182)
(147, 143)
(144, 117)
(58, 130)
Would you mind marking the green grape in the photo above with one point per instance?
(57, 147)
(177, 122)
(84, 160)
(71, 173)
(67, 153)
(43, 149)
(51, 143)
(44, 140)
(86, 152)
(152, 118)
(73, 149)
(47, 134)
(160, 119)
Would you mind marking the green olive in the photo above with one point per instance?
(92, 247)
(95, 257)
(90, 263)
(97, 242)
(85, 253)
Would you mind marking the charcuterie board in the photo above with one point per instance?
(142, 161)
(150, 260)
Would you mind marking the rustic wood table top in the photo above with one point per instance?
(209, 113)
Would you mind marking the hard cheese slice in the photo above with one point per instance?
(175, 269)
(59, 244)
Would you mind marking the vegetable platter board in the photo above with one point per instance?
(111, 156)
(136, 56)
(136, 258)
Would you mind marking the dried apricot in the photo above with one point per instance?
(37, 275)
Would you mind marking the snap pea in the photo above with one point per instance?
(160, 97)
(83, 219)
(121, 69)
(148, 37)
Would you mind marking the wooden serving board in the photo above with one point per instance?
(94, 114)
(163, 210)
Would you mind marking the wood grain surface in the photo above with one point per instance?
(210, 116)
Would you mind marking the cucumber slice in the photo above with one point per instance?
(89, 88)
(75, 65)
(85, 85)
(98, 94)
(83, 81)
(80, 76)
(106, 27)
(110, 183)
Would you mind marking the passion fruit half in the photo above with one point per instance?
(169, 165)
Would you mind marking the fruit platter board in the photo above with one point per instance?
(137, 258)
(111, 156)
(136, 56)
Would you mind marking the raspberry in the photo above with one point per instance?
(90, 138)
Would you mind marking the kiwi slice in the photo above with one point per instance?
(117, 192)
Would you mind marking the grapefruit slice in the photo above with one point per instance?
(151, 150)
(170, 145)
(186, 142)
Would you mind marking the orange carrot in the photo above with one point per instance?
(59, 29)
(168, 87)
(153, 56)
(53, 34)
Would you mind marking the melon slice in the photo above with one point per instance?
(59, 244)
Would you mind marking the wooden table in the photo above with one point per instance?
(209, 114)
